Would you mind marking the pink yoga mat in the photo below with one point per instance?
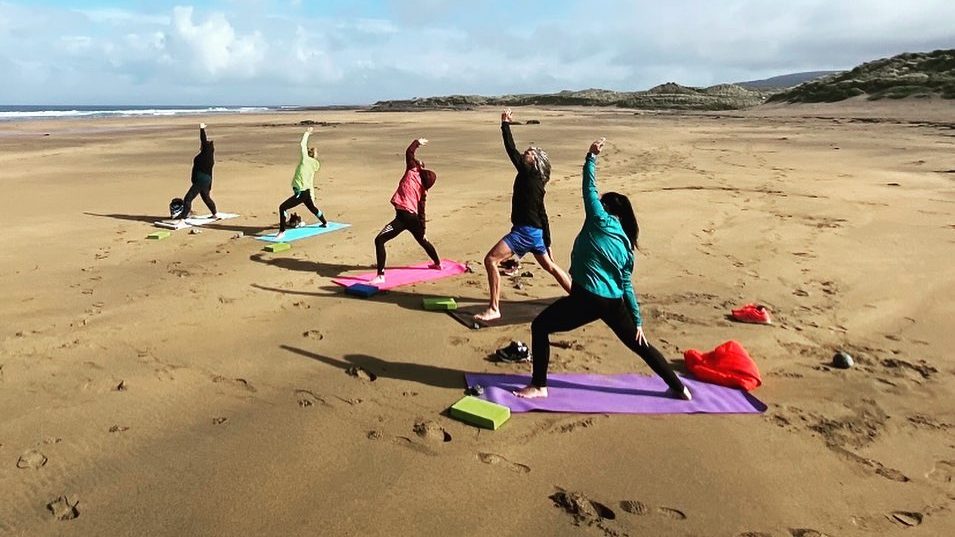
(614, 394)
(398, 276)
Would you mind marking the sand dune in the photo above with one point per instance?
(200, 386)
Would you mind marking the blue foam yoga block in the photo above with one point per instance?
(361, 289)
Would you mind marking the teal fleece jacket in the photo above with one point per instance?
(602, 259)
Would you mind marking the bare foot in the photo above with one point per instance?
(435, 266)
(490, 314)
(531, 392)
(280, 235)
(377, 280)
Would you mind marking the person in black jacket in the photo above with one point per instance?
(530, 231)
(201, 177)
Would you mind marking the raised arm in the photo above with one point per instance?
(592, 205)
(304, 144)
(516, 158)
(410, 160)
(202, 135)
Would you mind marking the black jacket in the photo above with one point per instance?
(205, 160)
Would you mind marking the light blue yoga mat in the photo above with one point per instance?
(297, 233)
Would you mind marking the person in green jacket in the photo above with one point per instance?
(601, 264)
(303, 185)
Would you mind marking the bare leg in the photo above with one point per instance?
(498, 253)
(554, 270)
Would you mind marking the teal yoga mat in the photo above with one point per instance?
(305, 232)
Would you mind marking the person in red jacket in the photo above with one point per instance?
(409, 202)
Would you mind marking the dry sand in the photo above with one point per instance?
(237, 416)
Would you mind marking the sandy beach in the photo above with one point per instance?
(198, 385)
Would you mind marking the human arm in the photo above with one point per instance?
(410, 160)
(516, 158)
(629, 297)
(592, 206)
(202, 135)
(421, 210)
(304, 144)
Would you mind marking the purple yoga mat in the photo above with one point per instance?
(614, 394)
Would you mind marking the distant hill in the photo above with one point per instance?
(669, 96)
(920, 74)
(785, 81)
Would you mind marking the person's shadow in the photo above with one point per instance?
(440, 377)
(325, 270)
(221, 225)
(515, 311)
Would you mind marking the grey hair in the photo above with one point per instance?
(541, 163)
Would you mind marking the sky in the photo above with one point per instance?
(301, 52)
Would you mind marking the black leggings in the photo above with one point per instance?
(583, 307)
(305, 197)
(202, 188)
(403, 220)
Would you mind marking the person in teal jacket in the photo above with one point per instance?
(303, 186)
(601, 265)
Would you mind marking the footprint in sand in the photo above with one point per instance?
(754, 534)
(494, 459)
(31, 459)
(581, 507)
(943, 472)
(64, 508)
(362, 373)
(240, 383)
(806, 532)
(219, 421)
(431, 431)
(307, 398)
(905, 519)
(313, 334)
(118, 429)
(669, 512)
(635, 507)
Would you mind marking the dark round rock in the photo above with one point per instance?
(842, 360)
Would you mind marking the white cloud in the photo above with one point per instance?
(251, 55)
(214, 46)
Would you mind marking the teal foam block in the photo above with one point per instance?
(480, 413)
(439, 303)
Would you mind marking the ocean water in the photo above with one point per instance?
(27, 112)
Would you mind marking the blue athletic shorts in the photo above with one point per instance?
(524, 239)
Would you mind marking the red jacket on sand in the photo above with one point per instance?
(727, 365)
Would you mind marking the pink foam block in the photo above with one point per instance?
(398, 276)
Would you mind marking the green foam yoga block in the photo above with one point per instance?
(480, 413)
(158, 235)
(439, 303)
(278, 247)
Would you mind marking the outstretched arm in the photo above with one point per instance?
(304, 144)
(410, 160)
(516, 158)
(202, 135)
(592, 205)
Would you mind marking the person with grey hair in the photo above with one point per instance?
(530, 231)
